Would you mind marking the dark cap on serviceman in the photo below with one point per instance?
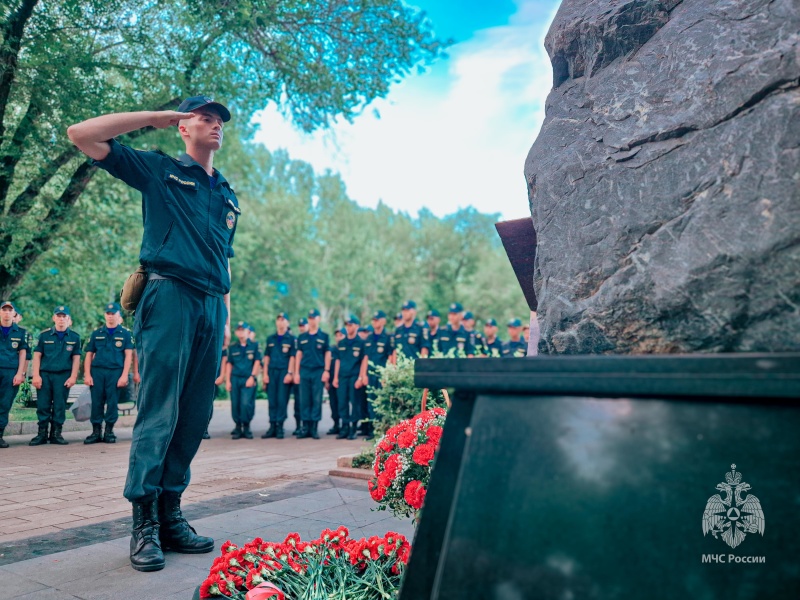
(5, 303)
(195, 102)
(282, 315)
(352, 320)
(378, 314)
(113, 307)
(242, 325)
(409, 304)
(313, 313)
(61, 309)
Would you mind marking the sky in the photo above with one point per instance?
(454, 136)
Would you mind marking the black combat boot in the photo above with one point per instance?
(108, 436)
(234, 429)
(246, 433)
(314, 433)
(3, 443)
(344, 431)
(279, 434)
(298, 428)
(353, 431)
(41, 437)
(305, 432)
(96, 436)
(335, 429)
(55, 435)
(370, 430)
(206, 436)
(236, 434)
(146, 554)
(270, 433)
(176, 533)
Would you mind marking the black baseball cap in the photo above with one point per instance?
(195, 102)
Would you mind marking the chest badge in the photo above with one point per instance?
(412, 339)
(14, 344)
(230, 219)
(118, 344)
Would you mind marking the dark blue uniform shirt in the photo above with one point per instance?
(241, 358)
(57, 352)
(515, 349)
(11, 345)
(188, 226)
(351, 352)
(495, 348)
(279, 350)
(109, 350)
(313, 348)
(410, 340)
(457, 340)
(378, 347)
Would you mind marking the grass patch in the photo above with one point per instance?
(19, 414)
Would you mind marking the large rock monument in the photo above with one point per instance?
(665, 183)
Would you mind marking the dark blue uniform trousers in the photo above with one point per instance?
(296, 395)
(8, 391)
(277, 394)
(374, 382)
(105, 395)
(349, 409)
(179, 334)
(311, 387)
(243, 399)
(51, 400)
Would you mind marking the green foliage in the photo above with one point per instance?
(25, 395)
(399, 398)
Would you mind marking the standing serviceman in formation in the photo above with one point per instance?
(410, 338)
(13, 362)
(492, 343)
(313, 364)
(109, 354)
(433, 319)
(241, 380)
(279, 356)
(182, 317)
(475, 336)
(56, 360)
(302, 327)
(350, 376)
(515, 347)
(378, 347)
(333, 392)
(453, 337)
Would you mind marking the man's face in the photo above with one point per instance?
(378, 324)
(351, 329)
(454, 319)
(7, 316)
(17, 318)
(204, 130)
(339, 336)
(313, 323)
(111, 319)
(119, 319)
(408, 315)
(61, 321)
(514, 333)
(526, 333)
(469, 324)
(241, 335)
(433, 322)
(282, 325)
(302, 328)
(490, 331)
(251, 335)
(363, 334)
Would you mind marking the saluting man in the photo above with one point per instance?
(190, 215)
(313, 363)
(13, 362)
(515, 347)
(410, 338)
(56, 360)
(350, 376)
(379, 349)
(109, 354)
(241, 379)
(279, 356)
(453, 337)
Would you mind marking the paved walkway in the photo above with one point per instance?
(46, 490)
(64, 526)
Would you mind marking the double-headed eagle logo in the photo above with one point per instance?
(732, 516)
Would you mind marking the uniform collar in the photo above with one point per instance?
(188, 161)
(53, 330)
(13, 327)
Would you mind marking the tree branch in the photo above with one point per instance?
(9, 53)
(9, 160)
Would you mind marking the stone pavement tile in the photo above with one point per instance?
(347, 516)
(21, 535)
(13, 585)
(125, 583)
(297, 507)
(48, 594)
(239, 521)
(56, 570)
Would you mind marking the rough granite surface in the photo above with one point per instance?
(665, 182)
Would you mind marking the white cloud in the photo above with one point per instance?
(443, 146)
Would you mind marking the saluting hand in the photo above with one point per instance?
(166, 118)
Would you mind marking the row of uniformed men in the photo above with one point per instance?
(56, 361)
(306, 364)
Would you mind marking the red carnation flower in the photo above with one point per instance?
(414, 494)
(407, 439)
(423, 455)
(434, 434)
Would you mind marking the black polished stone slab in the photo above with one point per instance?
(588, 477)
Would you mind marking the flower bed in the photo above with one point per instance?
(403, 463)
(332, 567)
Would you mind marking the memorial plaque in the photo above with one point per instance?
(675, 478)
